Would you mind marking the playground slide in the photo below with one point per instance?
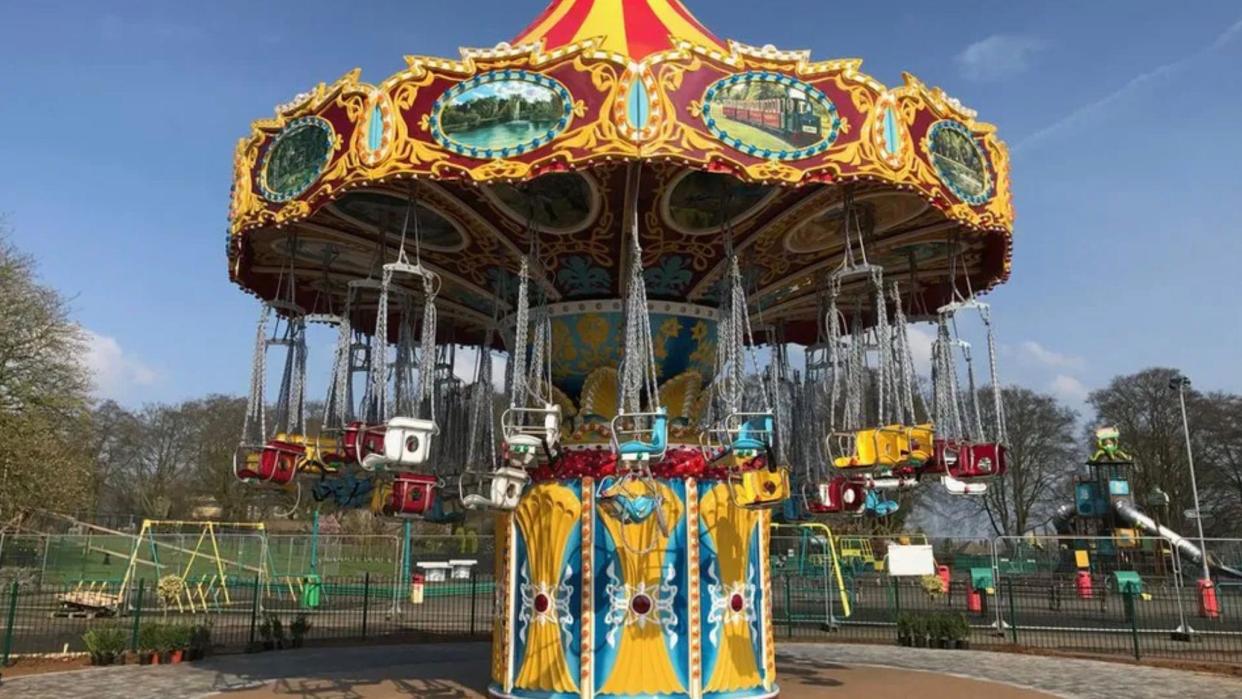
(1133, 515)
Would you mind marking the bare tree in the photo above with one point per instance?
(1043, 455)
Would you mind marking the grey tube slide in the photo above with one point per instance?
(1132, 514)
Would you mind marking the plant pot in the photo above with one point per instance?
(269, 645)
(962, 644)
(155, 659)
(905, 641)
(296, 643)
(176, 656)
(920, 642)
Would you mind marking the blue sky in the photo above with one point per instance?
(120, 118)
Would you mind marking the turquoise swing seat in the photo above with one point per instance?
(753, 434)
(639, 450)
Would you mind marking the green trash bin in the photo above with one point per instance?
(981, 580)
(312, 591)
(1128, 581)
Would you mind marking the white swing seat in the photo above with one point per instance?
(504, 494)
(957, 487)
(407, 443)
(640, 443)
(523, 441)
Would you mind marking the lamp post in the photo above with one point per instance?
(1180, 384)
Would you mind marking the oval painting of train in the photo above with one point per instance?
(770, 115)
(959, 161)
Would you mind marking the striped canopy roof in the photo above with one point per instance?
(633, 28)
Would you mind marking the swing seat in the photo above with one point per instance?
(945, 455)
(858, 449)
(879, 506)
(506, 491)
(922, 440)
(980, 461)
(629, 508)
(322, 455)
(956, 487)
(635, 448)
(524, 442)
(412, 494)
(276, 463)
(838, 495)
(362, 440)
(407, 444)
(761, 488)
(753, 434)
(892, 445)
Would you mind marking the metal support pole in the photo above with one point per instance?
(1129, 600)
(1181, 383)
(1013, 612)
(9, 625)
(314, 552)
(366, 601)
(474, 587)
(254, 610)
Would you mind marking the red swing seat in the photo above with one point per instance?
(412, 494)
(276, 463)
(980, 461)
(837, 495)
(362, 440)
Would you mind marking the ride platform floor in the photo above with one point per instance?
(459, 671)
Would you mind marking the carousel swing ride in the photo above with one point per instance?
(653, 226)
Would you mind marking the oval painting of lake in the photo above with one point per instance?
(959, 161)
(296, 158)
(770, 115)
(501, 114)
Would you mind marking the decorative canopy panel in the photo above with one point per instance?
(526, 147)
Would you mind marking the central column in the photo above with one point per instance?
(589, 606)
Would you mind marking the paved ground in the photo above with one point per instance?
(452, 671)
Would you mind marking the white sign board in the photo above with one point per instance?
(910, 560)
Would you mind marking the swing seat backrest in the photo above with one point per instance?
(504, 493)
(278, 462)
(753, 433)
(412, 494)
(980, 461)
(760, 488)
(839, 495)
(922, 440)
(407, 441)
(362, 440)
(892, 445)
(635, 448)
(945, 455)
(858, 449)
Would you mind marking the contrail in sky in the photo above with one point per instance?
(1136, 82)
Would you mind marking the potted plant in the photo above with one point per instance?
(297, 630)
(918, 631)
(150, 638)
(904, 631)
(961, 632)
(177, 641)
(105, 644)
(200, 641)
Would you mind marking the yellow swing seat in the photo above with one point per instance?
(865, 450)
(760, 488)
(922, 440)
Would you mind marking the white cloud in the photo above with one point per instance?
(1162, 71)
(998, 57)
(1068, 389)
(921, 340)
(114, 371)
(1032, 352)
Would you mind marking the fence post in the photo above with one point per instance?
(254, 613)
(1013, 612)
(133, 634)
(1129, 600)
(9, 625)
(896, 598)
(473, 590)
(788, 610)
(366, 600)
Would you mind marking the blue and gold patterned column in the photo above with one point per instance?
(590, 606)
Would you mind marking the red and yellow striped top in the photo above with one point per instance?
(633, 28)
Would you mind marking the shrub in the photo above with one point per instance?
(200, 639)
(151, 638)
(104, 643)
(176, 637)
